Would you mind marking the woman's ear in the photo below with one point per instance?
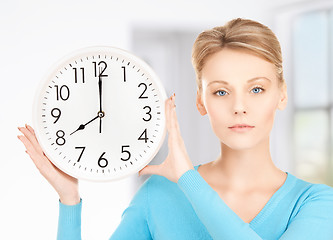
(200, 105)
(283, 97)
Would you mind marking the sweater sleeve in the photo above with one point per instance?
(134, 220)
(133, 223)
(313, 221)
(69, 222)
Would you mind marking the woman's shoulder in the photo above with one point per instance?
(314, 191)
(310, 201)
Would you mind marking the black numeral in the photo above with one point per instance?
(75, 74)
(83, 148)
(145, 88)
(144, 133)
(62, 93)
(125, 151)
(149, 110)
(102, 162)
(101, 68)
(56, 113)
(124, 73)
(60, 140)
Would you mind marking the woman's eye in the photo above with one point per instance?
(221, 93)
(257, 90)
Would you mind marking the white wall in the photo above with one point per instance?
(33, 35)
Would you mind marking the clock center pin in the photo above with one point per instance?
(101, 114)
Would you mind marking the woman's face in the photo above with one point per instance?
(240, 93)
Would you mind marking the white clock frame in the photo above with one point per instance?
(137, 68)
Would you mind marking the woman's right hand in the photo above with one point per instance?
(65, 185)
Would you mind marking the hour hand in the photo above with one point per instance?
(82, 126)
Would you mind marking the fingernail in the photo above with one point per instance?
(19, 128)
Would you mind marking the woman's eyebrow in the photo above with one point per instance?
(259, 78)
(218, 81)
(249, 81)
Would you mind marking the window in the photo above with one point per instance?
(312, 50)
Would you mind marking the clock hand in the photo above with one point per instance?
(82, 126)
(100, 103)
(100, 93)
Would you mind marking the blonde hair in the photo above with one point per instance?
(239, 34)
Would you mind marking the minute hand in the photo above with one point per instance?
(100, 93)
(100, 113)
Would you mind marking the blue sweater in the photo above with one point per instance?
(191, 209)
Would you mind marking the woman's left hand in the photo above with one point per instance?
(177, 162)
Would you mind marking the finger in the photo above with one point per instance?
(41, 162)
(28, 145)
(32, 138)
(30, 129)
(167, 113)
(173, 114)
(174, 126)
(30, 149)
(150, 169)
(26, 133)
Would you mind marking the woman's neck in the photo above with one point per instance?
(245, 169)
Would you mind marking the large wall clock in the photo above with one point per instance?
(99, 114)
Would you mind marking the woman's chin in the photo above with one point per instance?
(240, 144)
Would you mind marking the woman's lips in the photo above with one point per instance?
(241, 128)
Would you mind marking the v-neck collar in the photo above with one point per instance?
(272, 202)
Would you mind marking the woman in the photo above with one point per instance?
(241, 194)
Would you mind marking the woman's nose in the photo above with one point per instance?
(239, 106)
(236, 112)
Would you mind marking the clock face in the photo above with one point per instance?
(99, 114)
